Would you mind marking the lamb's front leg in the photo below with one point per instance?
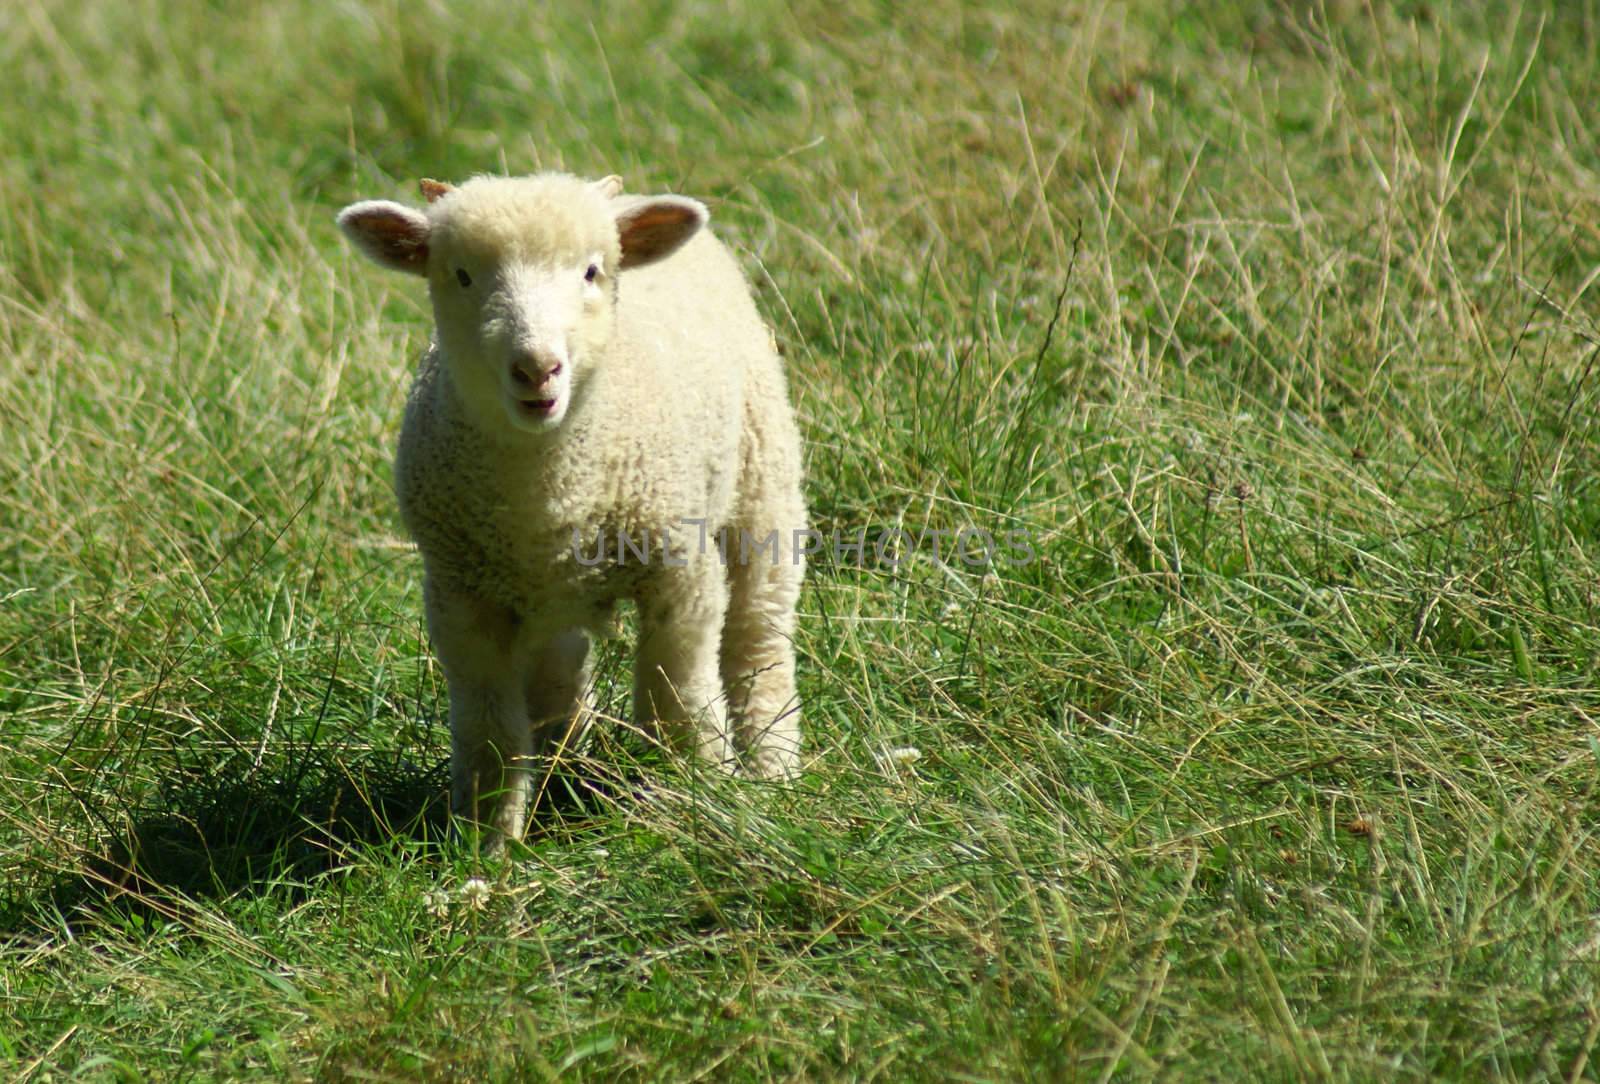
(491, 743)
(677, 685)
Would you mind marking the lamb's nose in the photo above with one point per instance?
(529, 370)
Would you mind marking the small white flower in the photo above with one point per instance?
(475, 893)
(437, 901)
(898, 758)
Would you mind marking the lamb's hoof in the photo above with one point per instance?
(780, 765)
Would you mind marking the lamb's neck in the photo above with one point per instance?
(457, 430)
(522, 458)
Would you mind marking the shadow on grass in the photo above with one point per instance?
(224, 830)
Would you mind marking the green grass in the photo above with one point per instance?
(1271, 323)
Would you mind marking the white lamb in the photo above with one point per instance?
(599, 377)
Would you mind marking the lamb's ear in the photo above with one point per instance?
(390, 234)
(432, 189)
(608, 187)
(654, 227)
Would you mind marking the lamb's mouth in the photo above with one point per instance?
(536, 408)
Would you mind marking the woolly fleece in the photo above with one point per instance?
(672, 410)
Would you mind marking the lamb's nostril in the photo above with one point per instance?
(531, 370)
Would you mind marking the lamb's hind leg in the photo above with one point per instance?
(557, 688)
(677, 690)
(758, 659)
(556, 691)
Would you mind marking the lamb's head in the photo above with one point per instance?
(523, 276)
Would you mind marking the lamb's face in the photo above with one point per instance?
(521, 331)
(522, 273)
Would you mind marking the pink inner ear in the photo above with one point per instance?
(654, 230)
(396, 237)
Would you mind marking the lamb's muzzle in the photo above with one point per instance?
(535, 389)
(531, 369)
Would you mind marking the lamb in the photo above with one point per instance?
(598, 373)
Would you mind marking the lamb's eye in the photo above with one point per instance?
(462, 276)
(592, 274)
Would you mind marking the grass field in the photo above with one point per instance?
(1272, 324)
